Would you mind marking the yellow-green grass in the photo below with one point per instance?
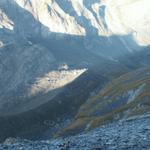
(85, 120)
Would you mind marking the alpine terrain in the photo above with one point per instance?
(74, 74)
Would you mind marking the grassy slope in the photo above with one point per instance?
(114, 102)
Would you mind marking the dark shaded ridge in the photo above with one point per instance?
(65, 105)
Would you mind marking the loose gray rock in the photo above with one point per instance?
(131, 134)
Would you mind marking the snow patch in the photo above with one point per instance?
(1, 44)
(133, 94)
(5, 22)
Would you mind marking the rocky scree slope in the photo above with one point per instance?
(133, 133)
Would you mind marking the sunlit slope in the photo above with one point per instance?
(129, 20)
(105, 18)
